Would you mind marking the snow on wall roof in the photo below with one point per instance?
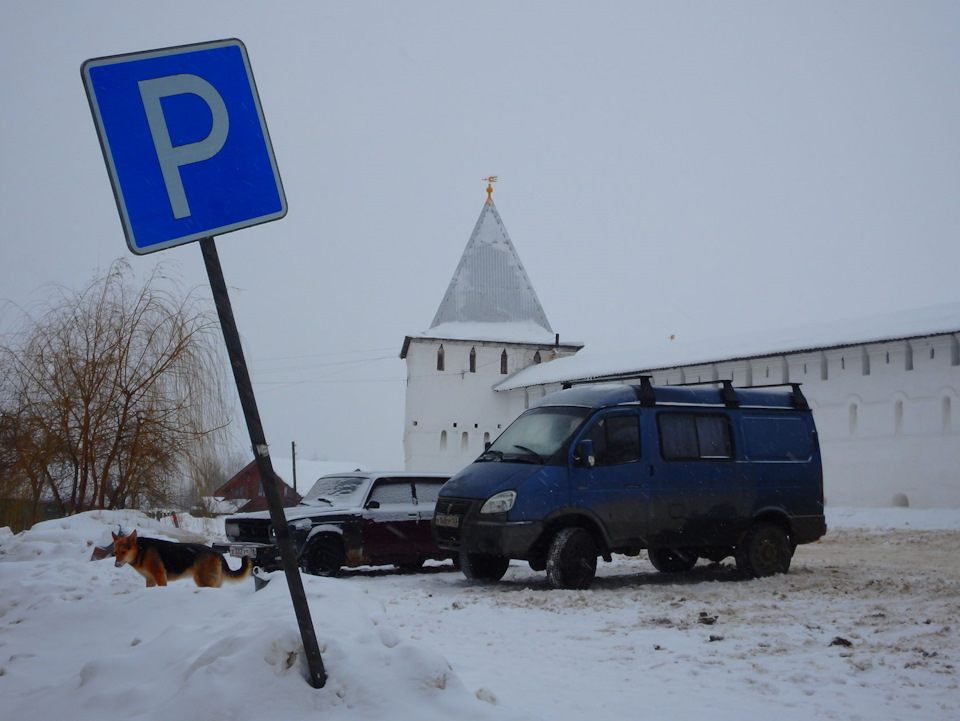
(519, 332)
(831, 334)
(527, 333)
(490, 285)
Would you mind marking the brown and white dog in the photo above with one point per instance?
(160, 561)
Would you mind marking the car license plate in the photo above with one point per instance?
(243, 551)
(447, 520)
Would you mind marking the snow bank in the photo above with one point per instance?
(75, 537)
(917, 519)
(865, 625)
(85, 640)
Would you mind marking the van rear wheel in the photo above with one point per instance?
(572, 559)
(672, 560)
(766, 549)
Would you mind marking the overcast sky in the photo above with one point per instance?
(695, 169)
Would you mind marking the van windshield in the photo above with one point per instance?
(536, 435)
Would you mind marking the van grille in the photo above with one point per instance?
(451, 507)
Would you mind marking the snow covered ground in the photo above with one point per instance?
(865, 626)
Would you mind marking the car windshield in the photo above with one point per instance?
(536, 435)
(338, 490)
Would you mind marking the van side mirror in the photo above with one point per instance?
(372, 505)
(486, 446)
(585, 455)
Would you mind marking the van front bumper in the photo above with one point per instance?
(509, 539)
(459, 527)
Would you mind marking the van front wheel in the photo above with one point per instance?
(766, 549)
(482, 566)
(572, 559)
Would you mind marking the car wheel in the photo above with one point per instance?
(483, 566)
(572, 559)
(324, 556)
(410, 566)
(766, 549)
(672, 560)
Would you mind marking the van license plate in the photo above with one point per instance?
(243, 551)
(447, 520)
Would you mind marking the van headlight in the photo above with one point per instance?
(232, 530)
(499, 503)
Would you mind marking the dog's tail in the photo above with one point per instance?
(246, 566)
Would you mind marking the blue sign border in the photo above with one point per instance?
(237, 187)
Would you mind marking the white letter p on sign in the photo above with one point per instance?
(170, 157)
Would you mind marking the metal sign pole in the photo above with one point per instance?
(268, 479)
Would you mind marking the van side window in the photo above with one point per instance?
(616, 440)
(779, 439)
(693, 437)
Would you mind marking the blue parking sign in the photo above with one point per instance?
(185, 143)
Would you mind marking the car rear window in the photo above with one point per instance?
(392, 492)
(428, 490)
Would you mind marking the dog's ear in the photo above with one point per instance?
(133, 536)
(115, 536)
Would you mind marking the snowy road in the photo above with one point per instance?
(866, 625)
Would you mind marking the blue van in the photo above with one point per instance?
(684, 472)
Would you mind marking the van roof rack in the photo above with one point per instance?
(727, 392)
(799, 400)
(647, 396)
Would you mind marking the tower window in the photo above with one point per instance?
(503, 362)
(536, 358)
(473, 360)
(440, 355)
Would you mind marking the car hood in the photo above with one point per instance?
(483, 479)
(295, 513)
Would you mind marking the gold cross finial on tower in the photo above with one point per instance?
(490, 180)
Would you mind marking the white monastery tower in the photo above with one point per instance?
(489, 325)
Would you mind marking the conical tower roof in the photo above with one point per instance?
(490, 292)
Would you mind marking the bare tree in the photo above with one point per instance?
(111, 394)
(208, 472)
